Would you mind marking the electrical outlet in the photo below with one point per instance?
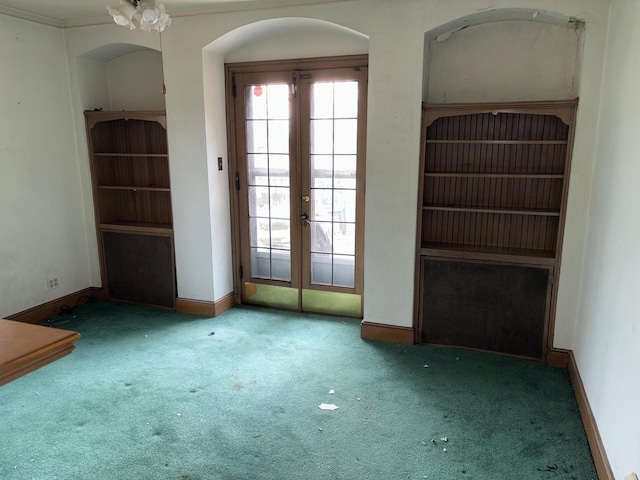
(52, 283)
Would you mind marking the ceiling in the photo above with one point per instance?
(72, 13)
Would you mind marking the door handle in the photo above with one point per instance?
(305, 220)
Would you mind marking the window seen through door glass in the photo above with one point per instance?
(267, 129)
(333, 150)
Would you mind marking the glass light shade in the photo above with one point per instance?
(146, 15)
(150, 15)
(123, 13)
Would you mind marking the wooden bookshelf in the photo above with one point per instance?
(132, 195)
(493, 186)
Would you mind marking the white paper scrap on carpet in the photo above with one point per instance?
(328, 406)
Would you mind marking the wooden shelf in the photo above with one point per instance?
(498, 142)
(503, 211)
(494, 175)
(499, 254)
(125, 154)
(138, 227)
(134, 189)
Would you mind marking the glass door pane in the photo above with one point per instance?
(333, 150)
(267, 137)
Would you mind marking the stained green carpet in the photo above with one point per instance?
(151, 394)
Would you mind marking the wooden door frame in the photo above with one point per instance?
(313, 64)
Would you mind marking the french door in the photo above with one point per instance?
(298, 151)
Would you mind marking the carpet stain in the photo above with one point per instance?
(238, 386)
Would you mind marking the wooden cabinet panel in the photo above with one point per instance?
(127, 135)
(495, 307)
(140, 268)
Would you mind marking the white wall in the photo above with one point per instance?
(505, 61)
(42, 229)
(299, 43)
(135, 81)
(219, 201)
(89, 50)
(94, 84)
(396, 32)
(607, 344)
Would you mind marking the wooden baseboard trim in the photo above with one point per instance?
(600, 460)
(99, 293)
(386, 333)
(558, 357)
(225, 303)
(204, 308)
(196, 307)
(40, 313)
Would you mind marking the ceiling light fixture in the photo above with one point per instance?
(147, 15)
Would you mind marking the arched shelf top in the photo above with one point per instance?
(563, 109)
(96, 116)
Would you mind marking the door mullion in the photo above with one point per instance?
(304, 200)
(296, 175)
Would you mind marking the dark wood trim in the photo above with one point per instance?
(233, 173)
(40, 313)
(558, 357)
(316, 63)
(564, 110)
(386, 333)
(530, 257)
(94, 117)
(205, 308)
(99, 293)
(600, 459)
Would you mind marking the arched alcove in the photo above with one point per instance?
(272, 39)
(121, 76)
(503, 55)
(512, 76)
(285, 38)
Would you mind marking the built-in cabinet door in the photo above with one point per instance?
(139, 268)
(485, 305)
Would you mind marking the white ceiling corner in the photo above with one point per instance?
(75, 13)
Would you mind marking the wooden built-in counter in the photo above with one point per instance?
(25, 347)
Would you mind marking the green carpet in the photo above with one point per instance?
(152, 394)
